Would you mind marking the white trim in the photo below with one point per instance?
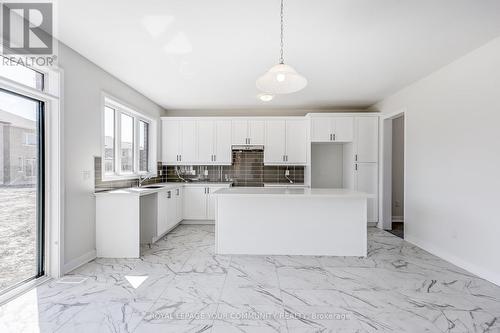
(80, 261)
(385, 168)
(474, 269)
(121, 107)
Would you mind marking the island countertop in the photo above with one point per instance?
(290, 192)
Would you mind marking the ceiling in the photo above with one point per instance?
(186, 54)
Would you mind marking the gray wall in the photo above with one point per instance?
(83, 84)
(398, 167)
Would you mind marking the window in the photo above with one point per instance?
(30, 139)
(21, 74)
(128, 142)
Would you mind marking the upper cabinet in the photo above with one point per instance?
(179, 146)
(286, 142)
(332, 129)
(366, 147)
(214, 142)
(248, 132)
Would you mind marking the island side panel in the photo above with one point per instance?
(291, 225)
(117, 226)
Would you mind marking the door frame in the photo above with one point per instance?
(53, 173)
(385, 171)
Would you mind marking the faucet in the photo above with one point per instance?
(142, 179)
(179, 175)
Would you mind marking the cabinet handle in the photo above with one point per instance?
(208, 189)
(356, 157)
(333, 136)
(177, 191)
(286, 156)
(330, 137)
(169, 195)
(356, 167)
(215, 158)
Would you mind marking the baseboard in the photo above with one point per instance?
(77, 262)
(372, 224)
(198, 222)
(398, 219)
(474, 269)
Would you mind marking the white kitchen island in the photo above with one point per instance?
(279, 221)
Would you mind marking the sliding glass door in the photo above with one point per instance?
(21, 189)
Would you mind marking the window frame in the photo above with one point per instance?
(122, 108)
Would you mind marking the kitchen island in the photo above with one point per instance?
(291, 221)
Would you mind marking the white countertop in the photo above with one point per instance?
(291, 192)
(158, 187)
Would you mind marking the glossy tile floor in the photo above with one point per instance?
(179, 285)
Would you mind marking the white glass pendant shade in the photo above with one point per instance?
(281, 79)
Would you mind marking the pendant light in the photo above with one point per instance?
(281, 78)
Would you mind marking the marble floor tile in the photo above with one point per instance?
(181, 285)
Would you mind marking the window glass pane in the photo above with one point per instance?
(21, 74)
(20, 189)
(143, 145)
(127, 143)
(109, 140)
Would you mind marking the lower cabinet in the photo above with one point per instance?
(366, 180)
(169, 210)
(199, 202)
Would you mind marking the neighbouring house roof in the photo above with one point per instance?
(16, 121)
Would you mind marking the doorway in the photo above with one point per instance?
(22, 197)
(393, 178)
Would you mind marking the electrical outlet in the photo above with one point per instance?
(287, 172)
(193, 172)
(397, 203)
(205, 172)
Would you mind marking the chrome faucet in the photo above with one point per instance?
(142, 179)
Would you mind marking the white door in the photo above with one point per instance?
(344, 129)
(195, 203)
(162, 222)
(170, 142)
(188, 142)
(256, 132)
(179, 204)
(321, 129)
(274, 152)
(366, 139)
(223, 152)
(212, 202)
(206, 141)
(296, 142)
(366, 180)
(239, 129)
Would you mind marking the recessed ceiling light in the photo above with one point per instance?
(265, 97)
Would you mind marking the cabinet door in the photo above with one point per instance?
(171, 209)
(344, 129)
(274, 152)
(195, 203)
(206, 141)
(366, 179)
(296, 142)
(239, 132)
(321, 129)
(256, 131)
(162, 222)
(223, 153)
(188, 142)
(366, 139)
(211, 202)
(170, 142)
(179, 202)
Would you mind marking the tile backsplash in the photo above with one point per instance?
(247, 170)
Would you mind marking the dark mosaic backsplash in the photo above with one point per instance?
(247, 170)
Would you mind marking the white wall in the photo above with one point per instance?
(398, 128)
(453, 161)
(326, 165)
(83, 84)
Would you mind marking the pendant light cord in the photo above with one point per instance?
(282, 59)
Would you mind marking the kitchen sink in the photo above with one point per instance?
(152, 186)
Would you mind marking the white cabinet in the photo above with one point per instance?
(199, 202)
(332, 129)
(366, 180)
(179, 208)
(366, 139)
(162, 221)
(179, 141)
(248, 132)
(169, 210)
(286, 142)
(195, 203)
(214, 142)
